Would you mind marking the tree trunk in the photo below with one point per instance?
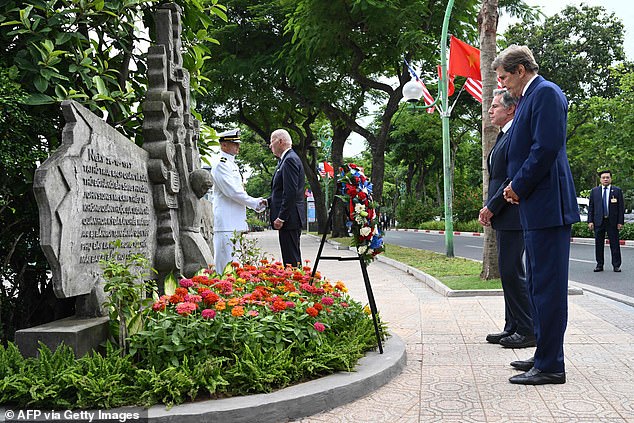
(487, 26)
(339, 137)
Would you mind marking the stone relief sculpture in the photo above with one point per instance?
(170, 136)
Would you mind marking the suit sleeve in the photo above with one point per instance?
(291, 178)
(591, 207)
(621, 207)
(497, 202)
(548, 128)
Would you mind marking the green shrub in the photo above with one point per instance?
(580, 230)
(627, 232)
(412, 212)
(467, 203)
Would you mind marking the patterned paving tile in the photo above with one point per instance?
(467, 416)
(485, 354)
(454, 376)
(444, 354)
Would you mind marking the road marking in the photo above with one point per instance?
(474, 246)
(582, 261)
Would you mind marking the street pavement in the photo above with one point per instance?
(454, 375)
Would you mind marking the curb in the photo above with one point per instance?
(297, 401)
(442, 289)
(629, 243)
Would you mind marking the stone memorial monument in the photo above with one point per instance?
(99, 187)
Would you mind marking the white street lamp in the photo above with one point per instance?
(412, 91)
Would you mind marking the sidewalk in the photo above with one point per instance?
(453, 375)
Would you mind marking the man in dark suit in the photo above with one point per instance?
(505, 219)
(606, 213)
(542, 185)
(286, 203)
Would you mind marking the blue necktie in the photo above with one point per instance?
(605, 201)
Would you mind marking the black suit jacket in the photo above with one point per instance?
(616, 208)
(287, 192)
(506, 216)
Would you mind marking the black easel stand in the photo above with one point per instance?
(364, 271)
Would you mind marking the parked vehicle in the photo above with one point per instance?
(583, 204)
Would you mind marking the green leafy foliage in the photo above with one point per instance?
(128, 288)
(23, 266)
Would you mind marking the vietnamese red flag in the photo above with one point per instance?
(328, 169)
(464, 60)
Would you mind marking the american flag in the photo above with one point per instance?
(427, 97)
(474, 87)
(326, 169)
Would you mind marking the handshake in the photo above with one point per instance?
(262, 204)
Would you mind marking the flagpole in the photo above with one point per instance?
(444, 116)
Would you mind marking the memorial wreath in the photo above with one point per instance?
(356, 191)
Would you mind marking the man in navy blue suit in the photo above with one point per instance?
(505, 219)
(606, 213)
(542, 185)
(286, 203)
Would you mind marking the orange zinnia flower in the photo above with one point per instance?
(312, 311)
(237, 311)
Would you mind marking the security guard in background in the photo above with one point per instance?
(230, 200)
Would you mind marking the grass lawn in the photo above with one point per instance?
(457, 273)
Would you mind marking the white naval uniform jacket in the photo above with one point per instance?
(230, 200)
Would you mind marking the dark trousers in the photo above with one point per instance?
(517, 308)
(547, 257)
(599, 242)
(289, 244)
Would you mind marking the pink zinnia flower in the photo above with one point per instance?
(344, 305)
(185, 309)
(319, 327)
(253, 313)
(290, 304)
(208, 313)
(186, 283)
(327, 301)
(193, 298)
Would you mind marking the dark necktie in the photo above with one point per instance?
(605, 202)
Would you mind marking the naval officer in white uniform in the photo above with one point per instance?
(230, 200)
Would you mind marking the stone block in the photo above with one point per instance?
(82, 335)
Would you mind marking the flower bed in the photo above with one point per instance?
(256, 329)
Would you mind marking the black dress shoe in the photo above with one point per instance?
(537, 377)
(494, 338)
(598, 269)
(617, 269)
(518, 341)
(524, 365)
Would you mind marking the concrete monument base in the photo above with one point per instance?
(82, 335)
